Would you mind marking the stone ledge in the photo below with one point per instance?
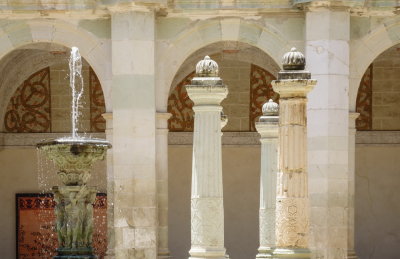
(228, 138)
(186, 138)
(378, 137)
(31, 139)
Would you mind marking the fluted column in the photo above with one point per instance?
(268, 129)
(162, 182)
(351, 254)
(110, 188)
(292, 205)
(207, 210)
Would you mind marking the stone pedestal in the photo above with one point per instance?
(162, 183)
(74, 221)
(292, 205)
(268, 129)
(351, 254)
(207, 211)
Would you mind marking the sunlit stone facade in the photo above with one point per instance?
(138, 58)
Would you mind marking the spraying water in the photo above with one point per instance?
(76, 84)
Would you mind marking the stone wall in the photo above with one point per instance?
(377, 207)
(386, 90)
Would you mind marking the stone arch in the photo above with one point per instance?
(97, 51)
(202, 33)
(365, 50)
(247, 71)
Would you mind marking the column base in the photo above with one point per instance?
(164, 256)
(351, 254)
(207, 253)
(292, 253)
(265, 252)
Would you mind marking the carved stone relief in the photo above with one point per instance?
(29, 108)
(260, 92)
(364, 101)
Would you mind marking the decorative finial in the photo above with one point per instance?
(270, 108)
(294, 60)
(207, 68)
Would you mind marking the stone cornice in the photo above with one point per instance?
(144, 6)
(312, 5)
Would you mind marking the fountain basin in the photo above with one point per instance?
(74, 157)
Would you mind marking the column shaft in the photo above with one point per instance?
(292, 192)
(207, 208)
(134, 140)
(327, 52)
(269, 148)
(162, 183)
(207, 219)
(110, 188)
(351, 254)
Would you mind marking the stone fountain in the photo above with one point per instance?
(74, 157)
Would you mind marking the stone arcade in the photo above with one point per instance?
(172, 162)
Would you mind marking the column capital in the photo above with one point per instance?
(206, 87)
(135, 7)
(162, 120)
(107, 116)
(267, 130)
(289, 88)
(207, 90)
(352, 121)
(317, 5)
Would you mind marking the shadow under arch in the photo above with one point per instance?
(21, 63)
(365, 50)
(97, 51)
(266, 38)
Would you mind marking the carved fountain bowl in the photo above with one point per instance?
(74, 157)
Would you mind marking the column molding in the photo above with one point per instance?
(351, 253)
(207, 210)
(108, 116)
(162, 183)
(268, 129)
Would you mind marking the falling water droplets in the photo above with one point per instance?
(76, 84)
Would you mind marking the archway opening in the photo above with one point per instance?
(377, 178)
(248, 72)
(35, 104)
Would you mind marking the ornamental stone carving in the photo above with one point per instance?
(293, 60)
(207, 68)
(292, 219)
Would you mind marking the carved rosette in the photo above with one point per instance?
(292, 222)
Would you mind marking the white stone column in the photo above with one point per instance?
(351, 254)
(134, 140)
(292, 205)
(162, 182)
(267, 127)
(207, 210)
(110, 188)
(327, 52)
